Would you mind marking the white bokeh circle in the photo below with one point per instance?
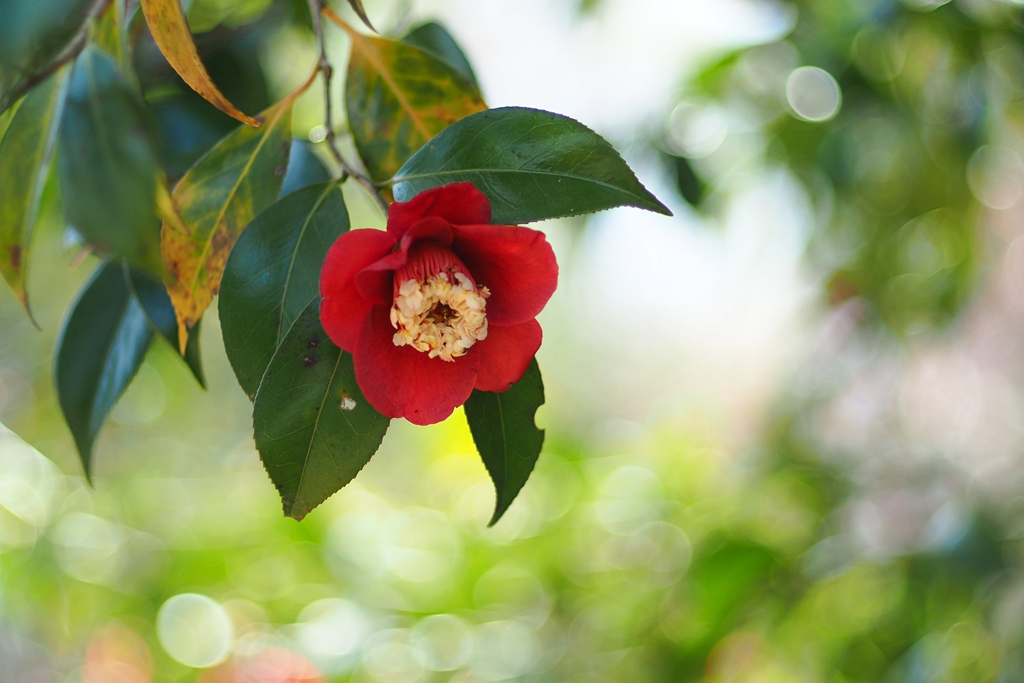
(195, 630)
(813, 94)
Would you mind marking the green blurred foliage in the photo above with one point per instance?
(650, 559)
(32, 36)
(929, 96)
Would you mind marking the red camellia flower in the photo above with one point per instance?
(440, 304)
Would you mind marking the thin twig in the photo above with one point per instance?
(69, 53)
(327, 72)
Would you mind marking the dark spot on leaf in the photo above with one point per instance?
(310, 361)
(313, 343)
(14, 252)
(280, 170)
(222, 241)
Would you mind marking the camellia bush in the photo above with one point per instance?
(332, 330)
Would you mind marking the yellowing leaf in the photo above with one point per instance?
(171, 33)
(398, 97)
(216, 199)
(25, 155)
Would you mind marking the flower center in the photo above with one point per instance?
(438, 308)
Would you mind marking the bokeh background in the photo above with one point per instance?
(785, 428)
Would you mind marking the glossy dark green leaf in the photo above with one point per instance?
(435, 39)
(107, 161)
(34, 34)
(531, 164)
(152, 294)
(25, 154)
(313, 428)
(304, 168)
(188, 127)
(506, 436)
(273, 273)
(99, 350)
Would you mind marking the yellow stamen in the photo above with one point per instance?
(439, 316)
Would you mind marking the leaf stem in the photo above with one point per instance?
(327, 71)
(69, 53)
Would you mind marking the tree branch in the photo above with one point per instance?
(327, 72)
(70, 52)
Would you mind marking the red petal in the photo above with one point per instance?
(400, 381)
(458, 203)
(505, 354)
(343, 308)
(516, 264)
(431, 227)
(373, 279)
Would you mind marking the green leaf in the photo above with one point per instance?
(107, 161)
(109, 33)
(25, 154)
(99, 350)
(398, 97)
(357, 7)
(217, 198)
(304, 168)
(37, 28)
(531, 164)
(314, 430)
(273, 273)
(34, 35)
(505, 434)
(188, 127)
(435, 39)
(688, 183)
(5, 121)
(152, 295)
